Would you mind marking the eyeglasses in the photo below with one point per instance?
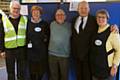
(102, 17)
(16, 8)
(59, 14)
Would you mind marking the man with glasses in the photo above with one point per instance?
(59, 46)
(13, 35)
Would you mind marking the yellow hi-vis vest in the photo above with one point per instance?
(13, 40)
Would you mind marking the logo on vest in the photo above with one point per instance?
(37, 29)
(98, 42)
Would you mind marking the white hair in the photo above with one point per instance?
(14, 2)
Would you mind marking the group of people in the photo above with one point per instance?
(93, 43)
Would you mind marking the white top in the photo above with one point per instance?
(78, 21)
(113, 41)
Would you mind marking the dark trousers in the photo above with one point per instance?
(83, 71)
(15, 56)
(37, 69)
(109, 78)
(58, 68)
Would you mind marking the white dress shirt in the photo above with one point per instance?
(78, 21)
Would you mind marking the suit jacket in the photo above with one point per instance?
(81, 41)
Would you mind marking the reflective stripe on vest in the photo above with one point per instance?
(11, 39)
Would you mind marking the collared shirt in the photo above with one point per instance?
(32, 20)
(101, 29)
(78, 21)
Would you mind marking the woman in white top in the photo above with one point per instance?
(105, 50)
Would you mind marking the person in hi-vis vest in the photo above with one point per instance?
(12, 40)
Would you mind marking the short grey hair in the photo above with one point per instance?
(14, 2)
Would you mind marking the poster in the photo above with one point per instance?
(24, 10)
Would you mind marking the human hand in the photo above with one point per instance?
(113, 71)
(114, 28)
(2, 54)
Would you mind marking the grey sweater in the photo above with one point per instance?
(60, 35)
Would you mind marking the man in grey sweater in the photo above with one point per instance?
(59, 46)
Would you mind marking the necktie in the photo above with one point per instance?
(81, 24)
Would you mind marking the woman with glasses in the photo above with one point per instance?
(105, 50)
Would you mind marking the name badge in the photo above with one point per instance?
(98, 42)
(37, 29)
(29, 45)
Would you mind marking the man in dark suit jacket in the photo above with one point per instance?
(81, 38)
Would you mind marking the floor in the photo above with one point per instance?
(3, 75)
